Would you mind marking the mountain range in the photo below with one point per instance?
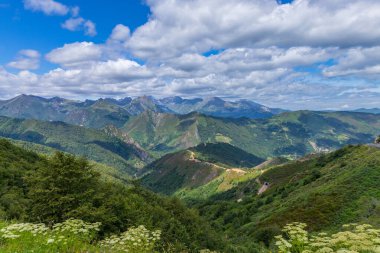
(289, 134)
(130, 133)
(247, 170)
(368, 110)
(102, 112)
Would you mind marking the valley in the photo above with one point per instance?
(189, 126)
(241, 179)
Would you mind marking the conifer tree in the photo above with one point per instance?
(63, 189)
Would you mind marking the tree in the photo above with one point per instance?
(377, 140)
(64, 188)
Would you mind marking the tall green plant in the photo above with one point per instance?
(63, 189)
(354, 238)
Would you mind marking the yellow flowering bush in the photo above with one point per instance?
(354, 238)
(134, 240)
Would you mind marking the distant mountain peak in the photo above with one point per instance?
(56, 108)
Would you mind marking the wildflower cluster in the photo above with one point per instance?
(354, 239)
(76, 228)
(135, 240)
(297, 237)
(62, 237)
(17, 230)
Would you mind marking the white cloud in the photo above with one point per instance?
(120, 33)
(73, 24)
(108, 78)
(196, 26)
(309, 54)
(75, 11)
(26, 59)
(356, 61)
(240, 62)
(99, 73)
(89, 28)
(79, 24)
(48, 7)
(75, 53)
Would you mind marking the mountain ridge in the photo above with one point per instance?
(291, 134)
(103, 111)
(197, 166)
(95, 144)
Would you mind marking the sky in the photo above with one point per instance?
(301, 54)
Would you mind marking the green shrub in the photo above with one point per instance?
(69, 236)
(135, 240)
(354, 238)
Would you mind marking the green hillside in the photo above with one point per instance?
(225, 155)
(291, 134)
(183, 172)
(94, 114)
(107, 172)
(324, 191)
(52, 189)
(94, 144)
(161, 133)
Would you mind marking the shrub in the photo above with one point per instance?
(68, 236)
(353, 239)
(135, 240)
(74, 235)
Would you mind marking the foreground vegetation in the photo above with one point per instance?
(59, 203)
(354, 238)
(75, 235)
(51, 190)
(324, 191)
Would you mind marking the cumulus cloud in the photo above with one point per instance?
(75, 54)
(26, 59)
(80, 24)
(310, 54)
(198, 26)
(106, 78)
(120, 33)
(89, 28)
(74, 23)
(357, 61)
(48, 7)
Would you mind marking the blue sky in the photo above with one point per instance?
(302, 54)
(21, 28)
